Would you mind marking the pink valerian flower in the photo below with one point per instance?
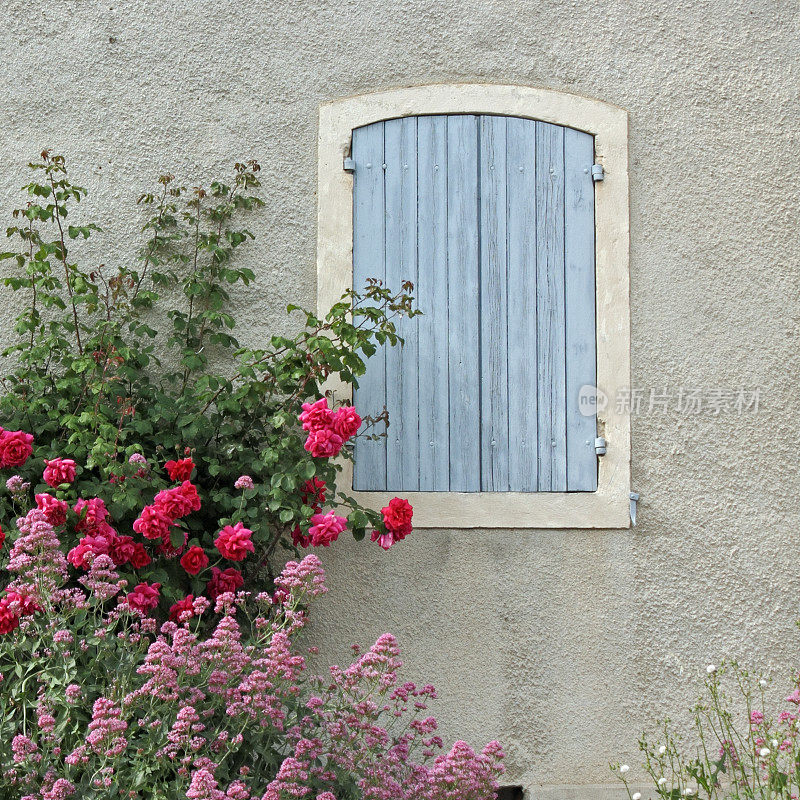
(58, 471)
(194, 560)
(102, 579)
(61, 790)
(325, 528)
(324, 443)
(15, 448)
(397, 517)
(222, 581)
(54, 510)
(244, 482)
(18, 487)
(180, 470)
(234, 542)
(106, 729)
(794, 697)
(23, 749)
(346, 422)
(204, 786)
(144, 597)
(36, 558)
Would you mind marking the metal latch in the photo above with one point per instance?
(349, 165)
(600, 446)
(598, 173)
(634, 500)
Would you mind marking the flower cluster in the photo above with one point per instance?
(328, 430)
(226, 712)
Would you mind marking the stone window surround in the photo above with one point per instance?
(608, 507)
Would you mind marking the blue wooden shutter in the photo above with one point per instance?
(492, 218)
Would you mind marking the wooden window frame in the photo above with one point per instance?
(608, 507)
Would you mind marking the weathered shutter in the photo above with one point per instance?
(492, 218)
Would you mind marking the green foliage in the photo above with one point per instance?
(115, 360)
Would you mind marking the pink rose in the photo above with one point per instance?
(316, 416)
(55, 511)
(25, 604)
(58, 471)
(324, 443)
(234, 542)
(325, 528)
(144, 597)
(188, 491)
(77, 556)
(172, 502)
(15, 448)
(153, 523)
(94, 519)
(384, 540)
(346, 422)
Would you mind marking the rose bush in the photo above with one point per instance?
(168, 448)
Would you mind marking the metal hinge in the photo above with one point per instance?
(598, 173)
(634, 500)
(349, 164)
(600, 446)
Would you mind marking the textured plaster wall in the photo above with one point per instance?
(562, 644)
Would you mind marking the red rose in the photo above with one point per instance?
(397, 517)
(234, 542)
(194, 560)
(182, 606)
(299, 538)
(26, 605)
(58, 471)
(221, 581)
(123, 549)
(15, 448)
(144, 597)
(346, 422)
(8, 619)
(77, 556)
(312, 493)
(2, 536)
(55, 511)
(140, 558)
(172, 503)
(189, 493)
(180, 470)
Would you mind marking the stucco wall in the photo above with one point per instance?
(561, 644)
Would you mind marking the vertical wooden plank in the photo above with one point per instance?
(494, 304)
(431, 293)
(402, 362)
(580, 306)
(463, 294)
(369, 398)
(523, 453)
(552, 439)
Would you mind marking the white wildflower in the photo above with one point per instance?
(662, 781)
(636, 796)
(624, 768)
(711, 669)
(764, 752)
(662, 750)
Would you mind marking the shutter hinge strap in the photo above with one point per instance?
(634, 500)
(349, 165)
(600, 446)
(598, 173)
